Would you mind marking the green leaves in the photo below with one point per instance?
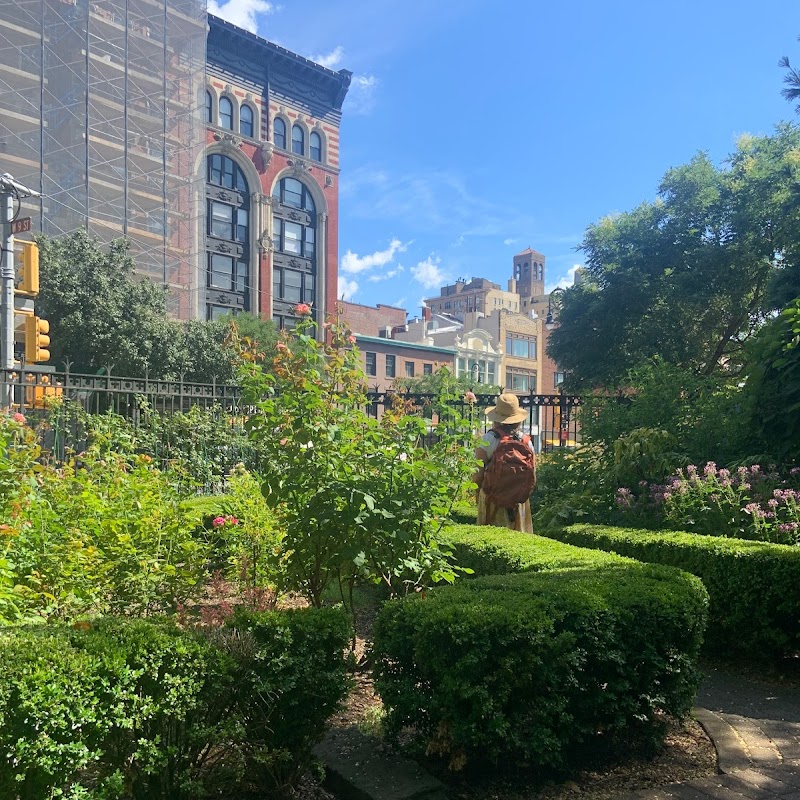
(687, 277)
(358, 497)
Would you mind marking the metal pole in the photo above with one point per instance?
(10, 190)
(7, 298)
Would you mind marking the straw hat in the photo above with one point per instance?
(507, 410)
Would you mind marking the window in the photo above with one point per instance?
(209, 108)
(427, 369)
(315, 142)
(227, 242)
(409, 369)
(292, 286)
(227, 273)
(520, 346)
(520, 380)
(391, 366)
(298, 140)
(558, 379)
(223, 171)
(279, 133)
(294, 265)
(226, 113)
(371, 363)
(246, 121)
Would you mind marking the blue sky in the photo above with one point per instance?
(474, 130)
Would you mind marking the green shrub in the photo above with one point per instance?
(464, 513)
(754, 605)
(142, 709)
(294, 677)
(578, 648)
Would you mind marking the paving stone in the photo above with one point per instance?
(760, 780)
(731, 753)
(716, 788)
(356, 769)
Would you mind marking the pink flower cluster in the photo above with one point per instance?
(219, 522)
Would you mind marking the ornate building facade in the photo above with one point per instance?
(271, 188)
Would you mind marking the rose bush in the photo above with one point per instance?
(357, 497)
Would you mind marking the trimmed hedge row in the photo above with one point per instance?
(753, 587)
(568, 647)
(131, 708)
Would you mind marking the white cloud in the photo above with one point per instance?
(353, 263)
(508, 242)
(385, 276)
(241, 12)
(565, 281)
(429, 274)
(361, 94)
(346, 289)
(330, 60)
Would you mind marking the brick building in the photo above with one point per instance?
(385, 360)
(377, 320)
(271, 167)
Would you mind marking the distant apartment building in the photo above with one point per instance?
(377, 320)
(214, 151)
(511, 351)
(385, 360)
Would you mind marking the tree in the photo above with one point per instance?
(435, 383)
(792, 81)
(686, 277)
(102, 316)
(773, 381)
(99, 314)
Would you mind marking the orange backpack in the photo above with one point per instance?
(510, 476)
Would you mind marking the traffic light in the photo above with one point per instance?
(28, 268)
(37, 339)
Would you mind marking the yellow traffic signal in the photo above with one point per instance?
(37, 339)
(28, 259)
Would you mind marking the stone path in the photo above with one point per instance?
(756, 730)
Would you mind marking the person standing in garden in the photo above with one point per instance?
(508, 475)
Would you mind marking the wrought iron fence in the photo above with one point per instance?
(552, 418)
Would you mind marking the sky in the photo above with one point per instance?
(473, 130)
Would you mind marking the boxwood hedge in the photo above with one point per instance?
(562, 648)
(122, 708)
(754, 599)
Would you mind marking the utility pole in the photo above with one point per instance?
(10, 190)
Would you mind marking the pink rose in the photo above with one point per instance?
(17, 417)
(351, 339)
(218, 522)
(302, 309)
(469, 397)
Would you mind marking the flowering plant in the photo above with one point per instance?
(357, 497)
(750, 502)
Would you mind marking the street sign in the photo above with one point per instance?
(22, 225)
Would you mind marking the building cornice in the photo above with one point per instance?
(250, 48)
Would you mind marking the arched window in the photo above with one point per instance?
(294, 258)
(298, 140)
(246, 121)
(279, 133)
(315, 143)
(227, 237)
(226, 113)
(209, 108)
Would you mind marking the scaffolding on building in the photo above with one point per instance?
(102, 110)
